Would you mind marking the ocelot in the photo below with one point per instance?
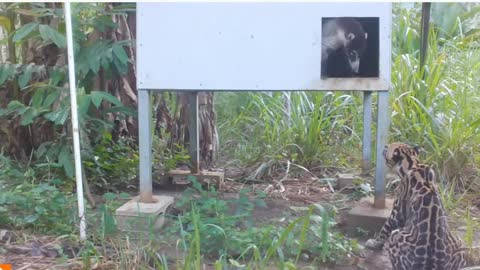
(417, 234)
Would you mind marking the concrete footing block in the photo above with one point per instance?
(345, 180)
(135, 216)
(368, 218)
(204, 177)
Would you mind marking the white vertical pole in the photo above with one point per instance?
(75, 129)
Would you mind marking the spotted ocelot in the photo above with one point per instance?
(417, 234)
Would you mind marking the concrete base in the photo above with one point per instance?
(368, 218)
(205, 177)
(345, 180)
(135, 216)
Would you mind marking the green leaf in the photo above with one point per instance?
(49, 33)
(109, 196)
(56, 76)
(120, 53)
(24, 79)
(65, 158)
(108, 223)
(51, 98)
(6, 72)
(94, 64)
(102, 23)
(83, 105)
(97, 53)
(23, 31)
(30, 218)
(26, 12)
(58, 117)
(15, 106)
(96, 99)
(42, 149)
(62, 116)
(121, 109)
(122, 68)
(98, 96)
(6, 23)
(28, 116)
(37, 98)
(52, 116)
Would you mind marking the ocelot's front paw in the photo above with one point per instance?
(374, 244)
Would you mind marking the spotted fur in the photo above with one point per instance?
(417, 234)
(400, 158)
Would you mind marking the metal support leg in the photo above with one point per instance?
(193, 131)
(367, 131)
(145, 145)
(383, 119)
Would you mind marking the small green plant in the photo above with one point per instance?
(42, 207)
(225, 232)
(106, 211)
(169, 157)
(225, 225)
(111, 165)
(470, 228)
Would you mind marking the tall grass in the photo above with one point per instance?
(436, 106)
(313, 128)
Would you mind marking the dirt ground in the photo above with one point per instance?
(41, 252)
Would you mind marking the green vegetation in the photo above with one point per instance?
(207, 228)
(319, 128)
(439, 112)
(296, 134)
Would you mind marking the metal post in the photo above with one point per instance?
(193, 131)
(424, 31)
(367, 131)
(383, 119)
(145, 145)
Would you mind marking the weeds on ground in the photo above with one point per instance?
(26, 201)
(206, 229)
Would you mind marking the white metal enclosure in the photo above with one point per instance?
(247, 46)
(251, 47)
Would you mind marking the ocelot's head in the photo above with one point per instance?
(401, 157)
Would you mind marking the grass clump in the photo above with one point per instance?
(437, 106)
(306, 127)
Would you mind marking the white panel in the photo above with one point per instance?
(246, 46)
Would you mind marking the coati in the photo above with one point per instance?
(343, 42)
